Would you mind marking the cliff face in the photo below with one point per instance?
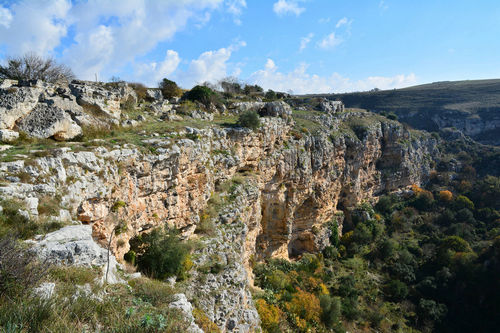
(288, 187)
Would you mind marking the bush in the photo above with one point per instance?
(463, 202)
(271, 95)
(397, 289)
(255, 89)
(201, 94)
(431, 310)
(139, 89)
(304, 305)
(19, 268)
(169, 89)
(161, 254)
(445, 196)
(269, 316)
(249, 119)
(330, 310)
(31, 66)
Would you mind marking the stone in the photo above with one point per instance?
(71, 245)
(32, 205)
(161, 107)
(107, 98)
(6, 83)
(16, 103)
(329, 106)
(46, 121)
(181, 303)
(154, 95)
(8, 135)
(276, 109)
(241, 107)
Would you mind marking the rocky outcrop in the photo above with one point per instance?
(46, 121)
(284, 188)
(15, 103)
(330, 106)
(74, 245)
(105, 97)
(276, 109)
(44, 110)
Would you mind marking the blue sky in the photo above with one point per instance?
(302, 46)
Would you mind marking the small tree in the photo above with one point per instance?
(34, 67)
(270, 94)
(249, 119)
(169, 89)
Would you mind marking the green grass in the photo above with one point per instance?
(142, 305)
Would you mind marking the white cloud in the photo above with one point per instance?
(324, 20)
(235, 7)
(36, 26)
(153, 72)
(301, 82)
(106, 36)
(5, 17)
(304, 41)
(330, 41)
(210, 66)
(283, 7)
(341, 22)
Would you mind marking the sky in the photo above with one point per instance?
(297, 46)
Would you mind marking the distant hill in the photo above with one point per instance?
(473, 106)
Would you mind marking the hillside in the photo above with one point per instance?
(473, 107)
(237, 213)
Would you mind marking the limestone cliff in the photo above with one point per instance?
(287, 183)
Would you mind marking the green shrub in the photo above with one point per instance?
(161, 254)
(201, 94)
(397, 289)
(271, 95)
(249, 119)
(117, 205)
(330, 310)
(169, 89)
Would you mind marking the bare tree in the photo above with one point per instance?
(31, 66)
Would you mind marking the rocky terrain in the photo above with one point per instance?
(106, 157)
(471, 107)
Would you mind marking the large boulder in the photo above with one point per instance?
(71, 245)
(105, 98)
(46, 121)
(154, 95)
(276, 109)
(329, 106)
(15, 103)
(74, 245)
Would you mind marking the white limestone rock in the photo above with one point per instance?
(7, 135)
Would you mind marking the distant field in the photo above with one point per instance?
(473, 105)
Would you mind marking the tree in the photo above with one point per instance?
(169, 89)
(34, 67)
